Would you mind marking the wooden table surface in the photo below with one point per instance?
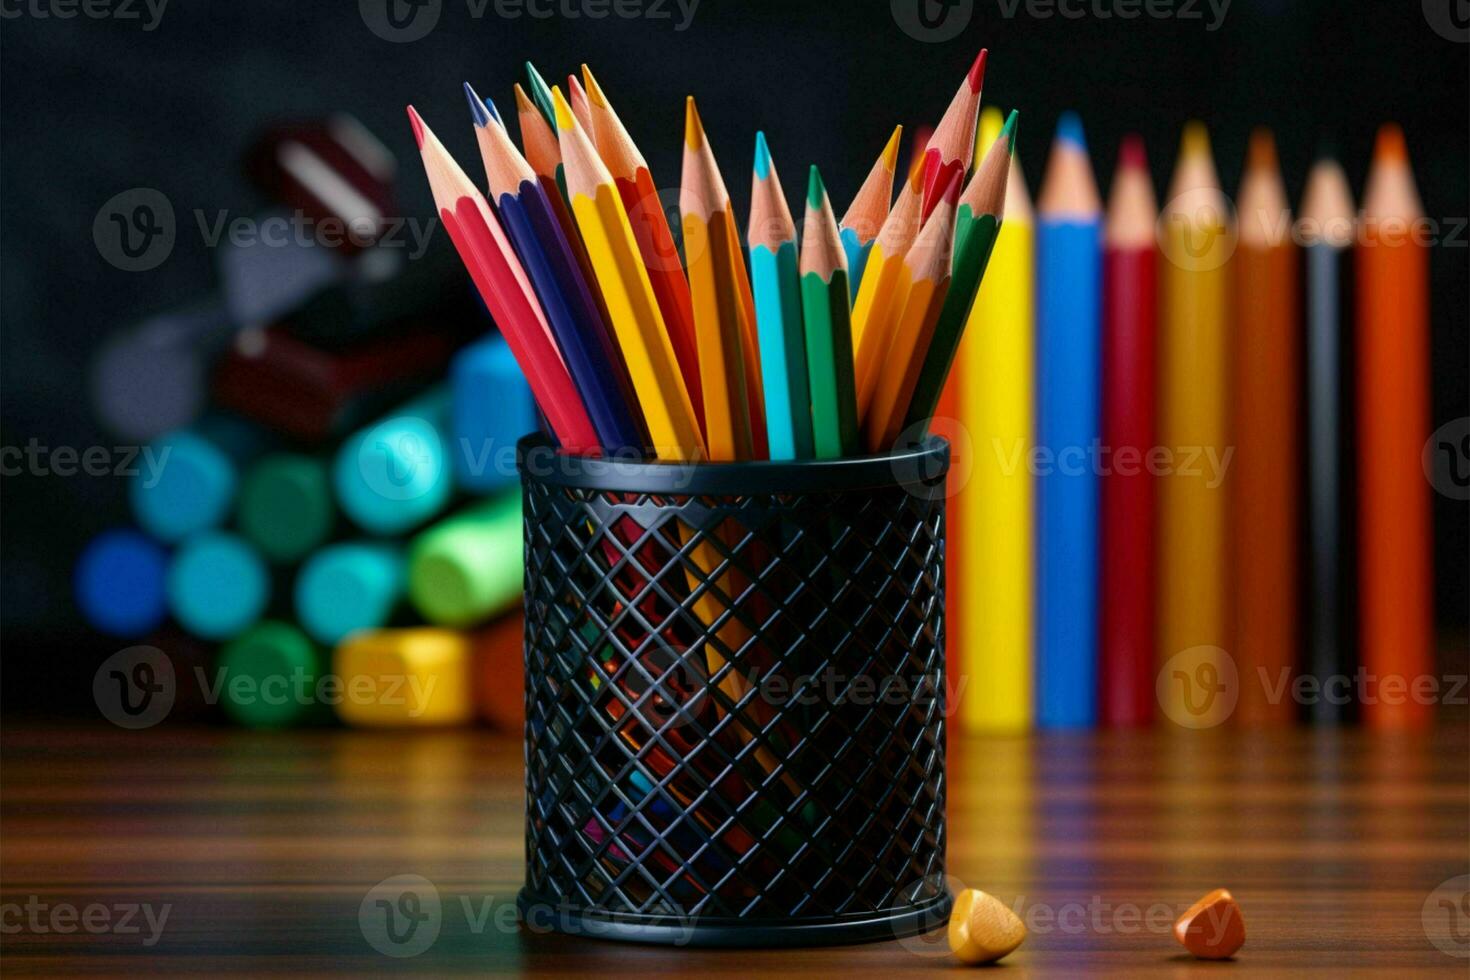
(263, 848)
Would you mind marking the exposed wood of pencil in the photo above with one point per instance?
(1265, 432)
(977, 223)
(869, 207)
(650, 226)
(930, 277)
(502, 282)
(714, 292)
(826, 313)
(1394, 525)
(885, 286)
(632, 308)
(952, 146)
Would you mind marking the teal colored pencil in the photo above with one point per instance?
(869, 209)
(776, 286)
(826, 305)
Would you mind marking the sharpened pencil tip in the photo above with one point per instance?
(523, 101)
(976, 77)
(1261, 152)
(594, 91)
(418, 126)
(565, 120)
(1008, 131)
(693, 128)
(815, 190)
(1069, 130)
(1390, 144)
(480, 110)
(890, 152)
(1195, 140)
(762, 156)
(1131, 153)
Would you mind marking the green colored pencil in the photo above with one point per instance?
(977, 222)
(827, 312)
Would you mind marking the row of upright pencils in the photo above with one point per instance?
(830, 344)
(1196, 489)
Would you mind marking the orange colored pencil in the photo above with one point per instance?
(1267, 441)
(1395, 588)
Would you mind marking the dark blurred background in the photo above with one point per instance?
(93, 107)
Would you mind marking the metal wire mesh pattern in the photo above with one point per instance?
(735, 714)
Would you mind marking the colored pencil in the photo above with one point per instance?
(931, 275)
(1068, 339)
(581, 108)
(1265, 419)
(776, 284)
(502, 282)
(1395, 590)
(995, 367)
(885, 287)
(1193, 355)
(533, 228)
(714, 290)
(869, 208)
(650, 223)
(952, 146)
(977, 222)
(1327, 228)
(1130, 318)
(540, 91)
(632, 309)
(827, 319)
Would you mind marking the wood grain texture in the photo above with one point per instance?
(266, 846)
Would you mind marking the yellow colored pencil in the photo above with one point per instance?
(995, 367)
(1194, 288)
(632, 309)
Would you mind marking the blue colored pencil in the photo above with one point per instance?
(775, 279)
(1068, 303)
(571, 311)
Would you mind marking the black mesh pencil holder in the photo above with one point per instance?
(734, 698)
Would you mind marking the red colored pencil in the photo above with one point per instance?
(503, 284)
(1129, 337)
